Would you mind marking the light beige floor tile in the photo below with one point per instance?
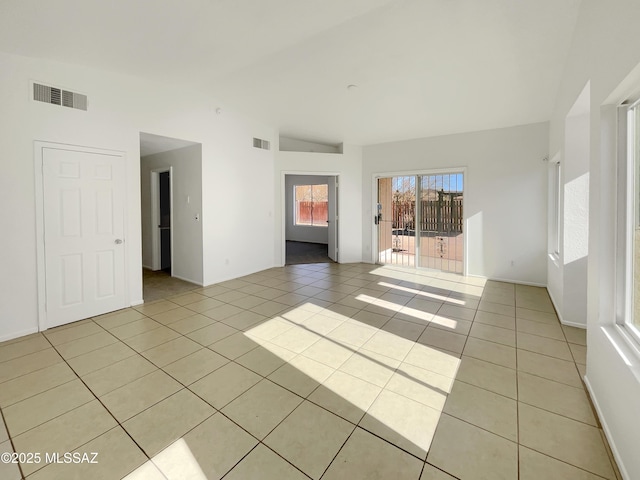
(540, 304)
(301, 375)
(536, 316)
(564, 439)
(245, 320)
(427, 306)
(273, 327)
(351, 334)
(445, 340)
(229, 296)
(212, 333)
(555, 397)
(171, 351)
(575, 335)
(264, 464)
(167, 318)
(100, 358)
(453, 325)
(406, 423)
(222, 312)
(545, 346)
(167, 421)
(65, 433)
(234, 345)
(261, 408)
(310, 438)
(582, 369)
(208, 451)
(84, 345)
(192, 323)
(421, 385)
(490, 352)
(195, 366)
(148, 340)
(146, 471)
(503, 336)
(503, 299)
(115, 319)
(389, 345)
(370, 367)
(269, 308)
(329, 352)
(265, 359)
(118, 374)
(484, 409)
(534, 466)
(57, 336)
(346, 396)
(296, 339)
(322, 324)
(134, 328)
(489, 376)
(19, 349)
(249, 301)
(154, 308)
(548, 330)
(134, 397)
(453, 311)
(117, 456)
(187, 298)
(433, 359)
(579, 353)
(33, 383)
(225, 384)
(203, 305)
(4, 435)
(36, 410)
(549, 367)
(28, 364)
(495, 320)
(365, 456)
(8, 471)
(214, 290)
(497, 308)
(466, 451)
(432, 473)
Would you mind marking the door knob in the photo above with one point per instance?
(118, 241)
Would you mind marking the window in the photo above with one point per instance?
(629, 222)
(311, 205)
(555, 192)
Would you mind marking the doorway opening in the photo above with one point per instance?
(311, 220)
(171, 207)
(420, 221)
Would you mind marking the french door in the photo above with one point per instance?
(420, 221)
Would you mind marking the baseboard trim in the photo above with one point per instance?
(509, 280)
(607, 432)
(558, 312)
(135, 303)
(200, 284)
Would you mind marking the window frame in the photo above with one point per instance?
(628, 215)
(295, 209)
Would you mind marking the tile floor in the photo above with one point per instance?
(310, 371)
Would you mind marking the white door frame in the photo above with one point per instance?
(40, 240)
(283, 207)
(155, 216)
(404, 173)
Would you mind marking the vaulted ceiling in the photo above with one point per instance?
(420, 67)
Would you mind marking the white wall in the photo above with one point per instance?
(186, 231)
(505, 198)
(287, 144)
(348, 167)
(302, 233)
(120, 107)
(604, 51)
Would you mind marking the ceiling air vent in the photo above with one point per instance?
(57, 96)
(263, 144)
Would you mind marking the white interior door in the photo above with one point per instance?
(333, 219)
(83, 231)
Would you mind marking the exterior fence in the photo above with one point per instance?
(443, 215)
(312, 213)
